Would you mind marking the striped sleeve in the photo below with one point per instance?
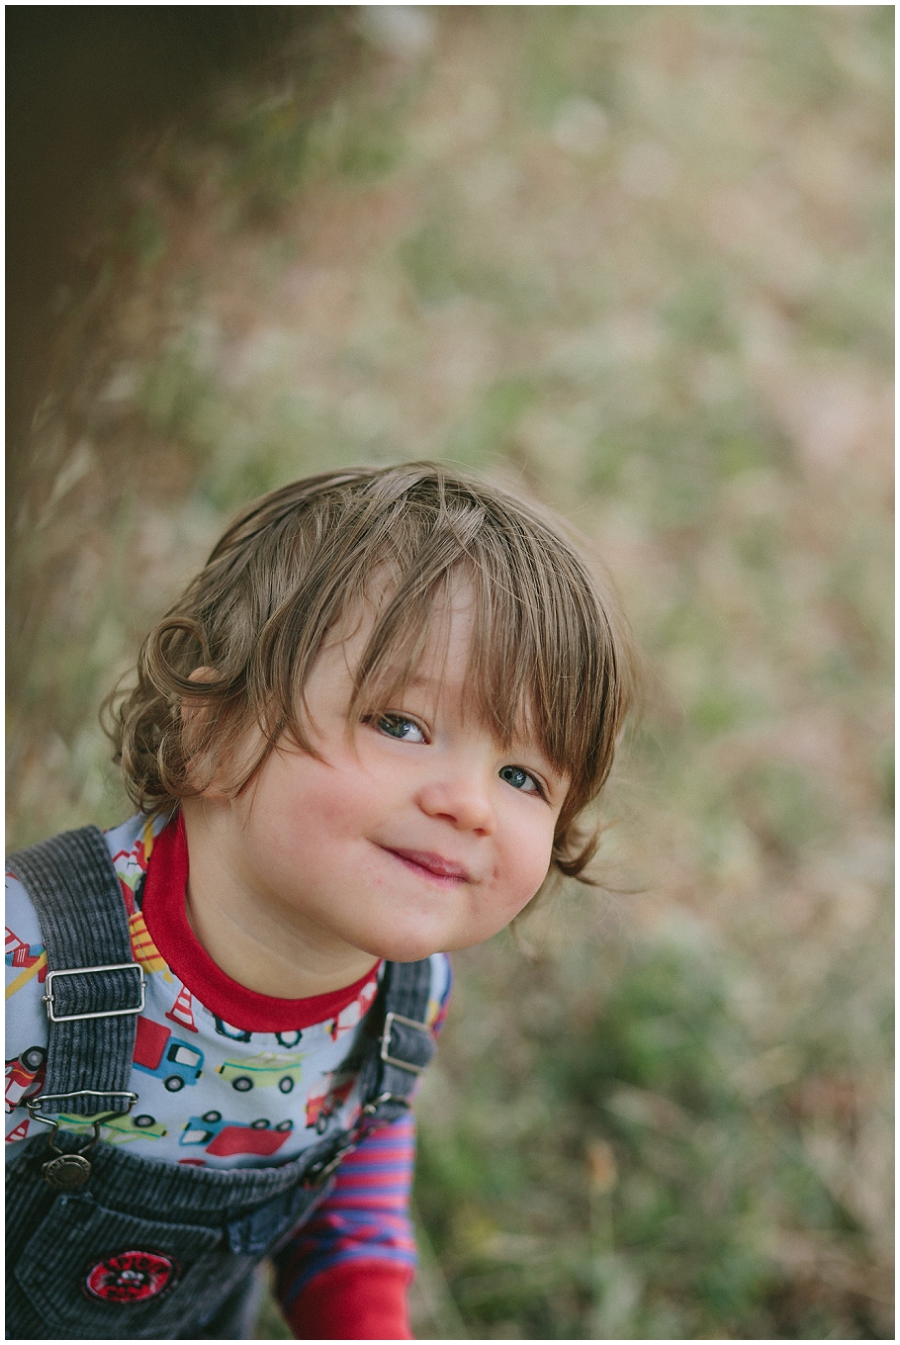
(344, 1275)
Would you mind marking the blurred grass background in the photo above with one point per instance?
(637, 258)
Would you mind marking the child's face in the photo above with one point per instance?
(416, 833)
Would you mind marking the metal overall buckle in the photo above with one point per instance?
(385, 1053)
(319, 1173)
(67, 1172)
(49, 997)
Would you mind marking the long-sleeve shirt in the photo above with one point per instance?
(228, 1078)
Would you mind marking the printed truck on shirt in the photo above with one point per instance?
(159, 1053)
(223, 1139)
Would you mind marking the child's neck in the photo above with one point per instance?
(250, 936)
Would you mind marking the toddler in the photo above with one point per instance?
(361, 739)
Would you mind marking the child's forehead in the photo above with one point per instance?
(445, 665)
(448, 619)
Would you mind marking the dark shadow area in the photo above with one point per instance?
(85, 86)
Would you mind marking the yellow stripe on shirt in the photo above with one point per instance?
(26, 975)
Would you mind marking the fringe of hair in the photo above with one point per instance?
(551, 653)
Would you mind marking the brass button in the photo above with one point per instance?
(67, 1171)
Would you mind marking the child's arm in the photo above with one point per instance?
(345, 1275)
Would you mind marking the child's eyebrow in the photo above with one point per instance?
(420, 680)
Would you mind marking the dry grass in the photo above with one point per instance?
(638, 258)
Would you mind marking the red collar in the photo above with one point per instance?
(166, 918)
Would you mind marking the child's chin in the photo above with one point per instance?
(405, 947)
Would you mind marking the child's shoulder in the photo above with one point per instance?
(22, 925)
(26, 1021)
(131, 844)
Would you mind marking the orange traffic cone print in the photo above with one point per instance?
(182, 1012)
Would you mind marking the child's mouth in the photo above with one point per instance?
(435, 866)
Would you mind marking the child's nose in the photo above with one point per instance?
(462, 800)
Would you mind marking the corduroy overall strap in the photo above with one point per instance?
(84, 925)
(388, 1075)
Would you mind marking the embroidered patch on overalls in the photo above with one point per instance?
(131, 1277)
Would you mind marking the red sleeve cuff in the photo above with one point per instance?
(354, 1302)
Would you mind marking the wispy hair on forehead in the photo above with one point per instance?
(550, 655)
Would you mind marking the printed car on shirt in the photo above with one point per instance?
(325, 1102)
(117, 1129)
(266, 1070)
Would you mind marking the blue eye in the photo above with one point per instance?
(520, 779)
(398, 726)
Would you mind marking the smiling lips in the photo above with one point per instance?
(435, 865)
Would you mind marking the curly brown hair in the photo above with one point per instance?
(550, 650)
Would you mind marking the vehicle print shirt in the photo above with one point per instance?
(225, 1077)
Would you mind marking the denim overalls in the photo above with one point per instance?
(102, 1245)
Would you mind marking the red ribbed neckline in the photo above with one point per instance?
(165, 914)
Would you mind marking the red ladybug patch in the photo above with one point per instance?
(131, 1277)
